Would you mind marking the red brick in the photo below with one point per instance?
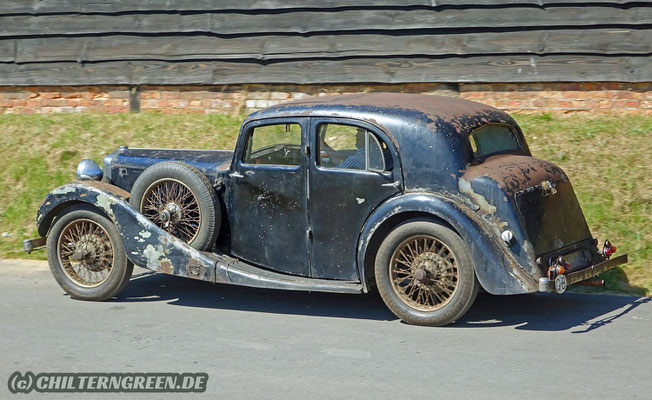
(15, 95)
(625, 104)
(624, 95)
(630, 97)
(588, 86)
(170, 95)
(150, 94)
(118, 94)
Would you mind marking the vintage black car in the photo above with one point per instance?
(425, 198)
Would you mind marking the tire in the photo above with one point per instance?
(188, 198)
(103, 270)
(424, 274)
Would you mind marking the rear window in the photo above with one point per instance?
(494, 139)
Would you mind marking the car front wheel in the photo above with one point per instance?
(425, 274)
(86, 255)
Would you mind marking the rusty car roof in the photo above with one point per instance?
(438, 112)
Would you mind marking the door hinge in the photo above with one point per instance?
(309, 234)
(307, 150)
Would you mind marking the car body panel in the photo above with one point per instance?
(340, 202)
(497, 269)
(126, 164)
(150, 247)
(267, 209)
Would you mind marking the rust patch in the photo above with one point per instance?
(107, 187)
(515, 172)
(224, 166)
(195, 269)
(165, 267)
(461, 116)
(435, 107)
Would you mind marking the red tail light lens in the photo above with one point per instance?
(608, 249)
(559, 267)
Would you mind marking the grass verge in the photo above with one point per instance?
(608, 159)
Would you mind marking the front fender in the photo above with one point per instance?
(145, 243)
(498, 271)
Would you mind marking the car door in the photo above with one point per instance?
(346, 183)
(268, 195)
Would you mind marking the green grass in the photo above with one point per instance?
(608, 159)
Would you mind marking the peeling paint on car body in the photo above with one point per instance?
(63, 190)
(482, 204)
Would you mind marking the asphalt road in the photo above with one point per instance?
(264, 344)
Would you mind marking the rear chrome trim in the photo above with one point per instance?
(596, 269)
(545, 285)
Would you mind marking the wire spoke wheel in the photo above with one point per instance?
(172, 206)
(424, 273)
(85, 252)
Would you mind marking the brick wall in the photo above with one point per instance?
(513, 97)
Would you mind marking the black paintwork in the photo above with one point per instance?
(311, 227)
(124, 165)
(267, 211)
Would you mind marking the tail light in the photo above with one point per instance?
(608, 249)
(559, 267)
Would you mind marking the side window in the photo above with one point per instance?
(351, 147)
(278, 144)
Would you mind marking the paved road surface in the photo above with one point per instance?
(264, 344)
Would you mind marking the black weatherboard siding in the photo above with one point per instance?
(81, 42)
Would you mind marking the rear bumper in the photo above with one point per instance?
(546, 285)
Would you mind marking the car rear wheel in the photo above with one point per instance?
(425, 274)
(180, 200)
(86, 255)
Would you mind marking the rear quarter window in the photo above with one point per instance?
(494, 139)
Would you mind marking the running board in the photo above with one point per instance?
(232, 271)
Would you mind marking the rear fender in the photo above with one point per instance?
(145, 243)
(496, 268)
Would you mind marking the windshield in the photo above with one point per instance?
(494, 139)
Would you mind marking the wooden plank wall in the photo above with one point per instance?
(82, 42)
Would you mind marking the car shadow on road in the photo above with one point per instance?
(550, 311)
(538, 312)
(193, 293)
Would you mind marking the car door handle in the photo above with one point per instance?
(236, 174)
(394, 184)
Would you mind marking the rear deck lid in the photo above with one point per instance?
(551, 215)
